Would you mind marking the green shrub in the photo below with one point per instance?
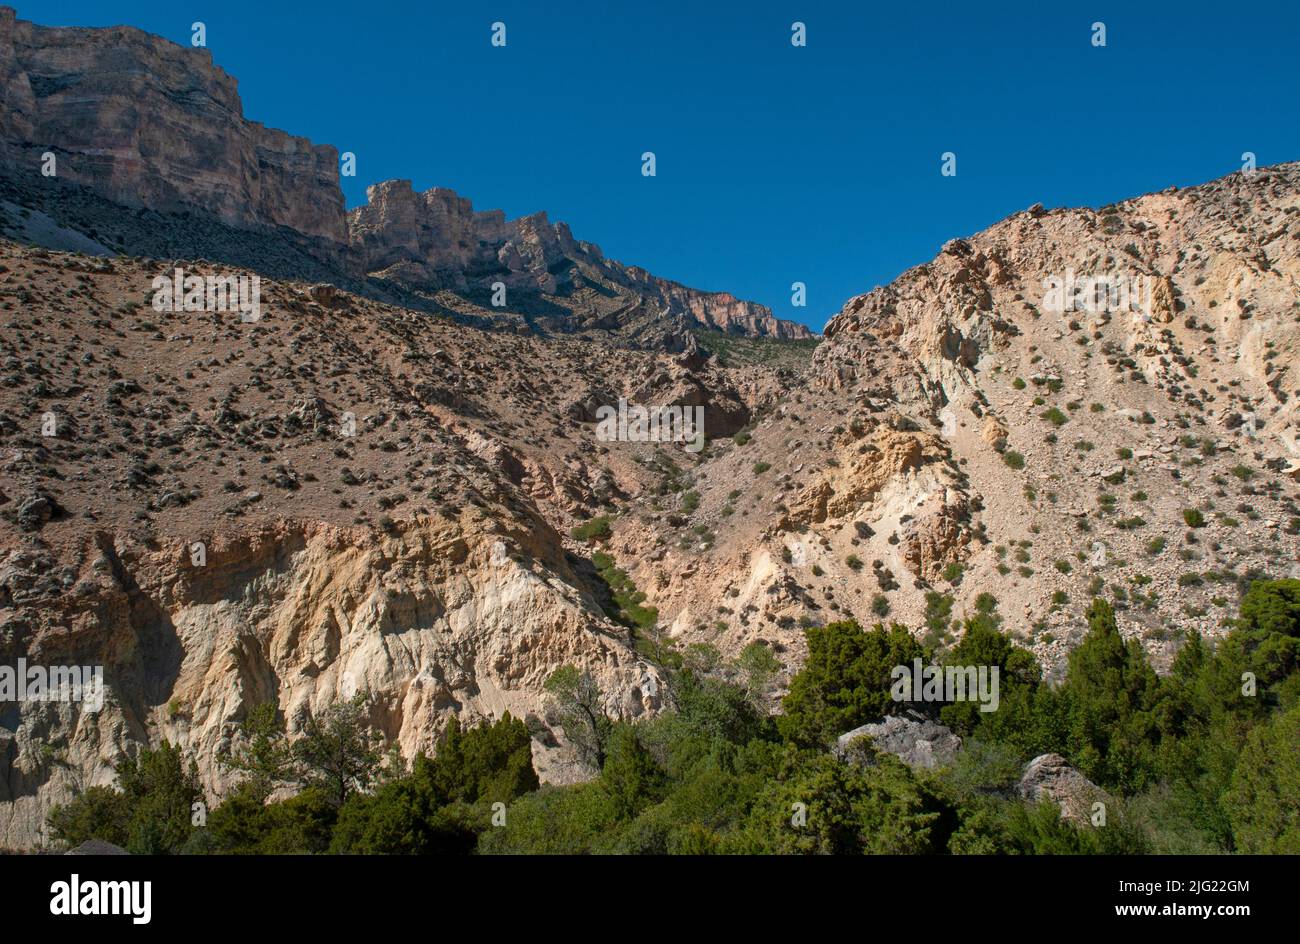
(597, 529)
(1055, 416)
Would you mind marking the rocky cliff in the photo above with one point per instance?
(146, 123)
(436, 238)
(958, 434)
(429, 618)
(380, 497)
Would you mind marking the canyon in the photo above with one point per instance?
(399, 488)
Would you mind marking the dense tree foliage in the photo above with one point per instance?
(845, 680)
(1203, 759)
(150, 813)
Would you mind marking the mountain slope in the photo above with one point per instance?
(152, 127)
(954, 437)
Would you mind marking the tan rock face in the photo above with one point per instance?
(718, 310)
(432, 618)
(437, 238)
(437, 231)
(871, 464)
(418, 558)
(148, 123)
(954, 417)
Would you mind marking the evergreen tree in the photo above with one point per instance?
(339, 752)
(1111, 695)
(1264, 800)
(845, 681)
(574, 703)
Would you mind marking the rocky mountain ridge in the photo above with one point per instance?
(146, 123)
(379, 498)
(395, 488)
(953, 437)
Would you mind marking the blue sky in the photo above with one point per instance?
(775, 164)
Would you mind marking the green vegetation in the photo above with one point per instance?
(627, 598)
(1193, 518)
(597, 529)
(1203, 760)
(737, 351)
(1013, 459)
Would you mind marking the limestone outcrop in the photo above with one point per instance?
(430, 618)
(146, 123)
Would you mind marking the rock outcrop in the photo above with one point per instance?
(436, 239)
(430, 618)
(957, 436)
(371, 516)
(1051, 777)
(911, 737)
(146, 123)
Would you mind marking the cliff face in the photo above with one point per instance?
(431, 618)
(719, 310)
(420, 556)
(958, 434)
(437, 238)
(145, 122)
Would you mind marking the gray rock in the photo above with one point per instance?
(911, 737)
(35, 510)
(1052, 777)
(97, 847)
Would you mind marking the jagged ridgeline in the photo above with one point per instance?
(106, 105)
(379, 500)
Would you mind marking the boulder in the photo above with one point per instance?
(911, 737)
(1052, 777)
(97, 847)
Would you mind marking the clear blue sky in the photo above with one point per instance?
(775, 164)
